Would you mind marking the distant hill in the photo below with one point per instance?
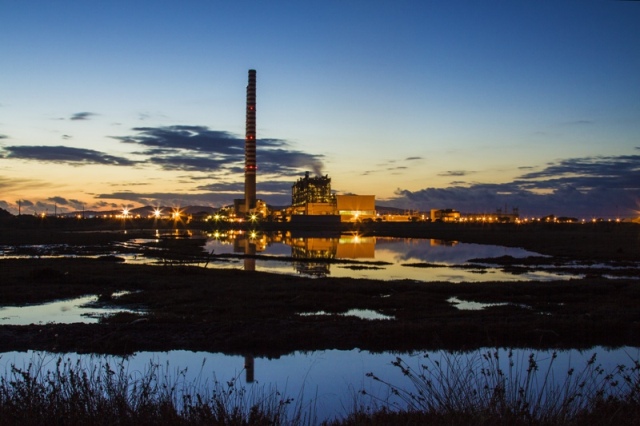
(199, 209)
(4, 213)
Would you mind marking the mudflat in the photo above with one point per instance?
(178, 306)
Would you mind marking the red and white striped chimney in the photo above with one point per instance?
(250, 166)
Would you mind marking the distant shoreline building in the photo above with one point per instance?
(312, 196)
(451, 215)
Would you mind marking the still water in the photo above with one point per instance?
(382, 258)
(330, 383)
(83, 309)
(346, 255)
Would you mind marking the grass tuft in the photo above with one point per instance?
(487, 390)
(104, 394)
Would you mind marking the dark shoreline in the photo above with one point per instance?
(241, 312)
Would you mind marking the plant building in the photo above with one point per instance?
(311, 196)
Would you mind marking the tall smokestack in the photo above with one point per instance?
(250, 145)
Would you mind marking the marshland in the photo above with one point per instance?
(183, 302)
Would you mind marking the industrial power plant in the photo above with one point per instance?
(312, 200)
(311, 197)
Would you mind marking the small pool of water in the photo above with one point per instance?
(366, 314)
(466, 305)
(79, 310)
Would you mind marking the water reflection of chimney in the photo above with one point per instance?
(244, 244)
(249, 250)
(249, 368)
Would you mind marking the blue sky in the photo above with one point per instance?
(426, 104)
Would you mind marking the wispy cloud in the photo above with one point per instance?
(82, 116)
(455, 173)
(590, 186)
(214, 193)
(196, 151)
(613, 172)
(58, 200)
(168, 198)
(198, 148)
(63, 154)
(67, 203)
(577, 123)
(13, 184)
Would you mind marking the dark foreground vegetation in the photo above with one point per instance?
(104, 394)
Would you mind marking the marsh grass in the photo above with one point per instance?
(486, 389)
(74, 393)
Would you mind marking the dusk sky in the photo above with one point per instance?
(471, 105)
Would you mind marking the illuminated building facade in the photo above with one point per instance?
(445, 215)
(311, 196)
(353, 208)
(311, 190)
